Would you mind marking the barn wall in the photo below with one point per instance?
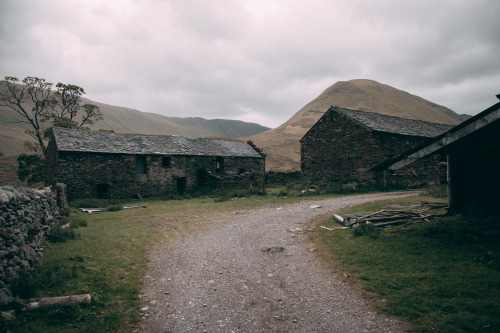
(336, 147)
(341, 149)
(91, 175)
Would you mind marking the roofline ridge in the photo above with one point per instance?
(386, 115)
(152, 135)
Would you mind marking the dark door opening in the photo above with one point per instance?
(102, 191)
(181, 185)
(140, 165)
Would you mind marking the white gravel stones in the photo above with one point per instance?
(225, 280)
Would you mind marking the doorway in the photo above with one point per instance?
(181, 185)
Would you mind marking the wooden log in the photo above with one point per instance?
(62, 300)
(338, 218)
(389, 218)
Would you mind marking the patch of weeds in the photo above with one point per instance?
(365, 229)
(74, 222)
(58, 315)
(436, 191)
(461, 229)
(332, 186)
(282, 193)
(82, 223)
(441, 275)
(223, 197)
(115, 208)
(59, 235)
(97, 203)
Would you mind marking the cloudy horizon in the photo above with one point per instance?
(257, 61)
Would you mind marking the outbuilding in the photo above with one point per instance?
(345, 143)
(472, 149)
(111, 165)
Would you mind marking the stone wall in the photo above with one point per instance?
(282, 178)
(341, 149)
(91, 175)
(26, 218)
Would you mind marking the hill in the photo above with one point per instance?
(126, 120)
(282, 147)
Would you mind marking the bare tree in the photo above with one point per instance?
(34, 100)
(30, 98)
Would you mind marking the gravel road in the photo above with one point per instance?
(257, 273)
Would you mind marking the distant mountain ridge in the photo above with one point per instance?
(127, 120)
(282, 147)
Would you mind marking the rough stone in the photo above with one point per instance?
(343, 148)
(5, 296)
(22, 235)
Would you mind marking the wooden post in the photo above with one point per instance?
(449, 179)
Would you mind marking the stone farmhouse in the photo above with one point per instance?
(110, 165)
(345, 143)
(472, 150)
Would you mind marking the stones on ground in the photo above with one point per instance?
(273, 249)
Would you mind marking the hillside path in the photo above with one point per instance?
(257, 273)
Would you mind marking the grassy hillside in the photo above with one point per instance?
(126, 120)
(282, 147)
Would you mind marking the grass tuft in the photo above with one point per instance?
(365, 229)
(442, 275)
(59, 235)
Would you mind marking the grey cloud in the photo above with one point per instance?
(244, 59)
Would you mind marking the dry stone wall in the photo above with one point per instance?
(91, 175)
(26, 218)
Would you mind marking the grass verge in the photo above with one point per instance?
(442, 276)
(105, 255)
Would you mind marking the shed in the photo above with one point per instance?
(472, 149)
(111, 165)
(345, 143)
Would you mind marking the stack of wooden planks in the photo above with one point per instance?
(384, 217)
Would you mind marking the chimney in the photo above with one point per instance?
(498, 96)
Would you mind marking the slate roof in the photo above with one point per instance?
(139, 144)
(488, 120)
(397, 125)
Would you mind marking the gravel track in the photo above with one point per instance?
(257, 273)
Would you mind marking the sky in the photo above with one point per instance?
(254, 60)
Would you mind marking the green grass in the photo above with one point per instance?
(442, 276)
(105, 255)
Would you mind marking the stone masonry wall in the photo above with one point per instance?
(341, 149)
(88, 174)
(282, 178)
(26, 218)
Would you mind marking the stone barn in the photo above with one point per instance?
(472, 149)
(345, 143)
(110, 165)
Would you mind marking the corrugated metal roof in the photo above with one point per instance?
(102, 142)
(390, 124)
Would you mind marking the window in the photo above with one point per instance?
(140, 165)
(166, 162)
(219, 164)
(102, 191)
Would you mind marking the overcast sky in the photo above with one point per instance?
(254, 60)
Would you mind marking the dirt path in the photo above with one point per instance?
(256, 273)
